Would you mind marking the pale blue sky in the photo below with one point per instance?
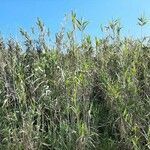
(23, 13)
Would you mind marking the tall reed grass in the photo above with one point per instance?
(79, 95)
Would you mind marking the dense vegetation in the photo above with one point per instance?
(75, 95)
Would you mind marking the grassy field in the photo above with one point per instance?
(75, 95)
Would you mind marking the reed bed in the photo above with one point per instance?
(75, 94)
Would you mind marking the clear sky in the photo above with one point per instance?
(23, 13)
